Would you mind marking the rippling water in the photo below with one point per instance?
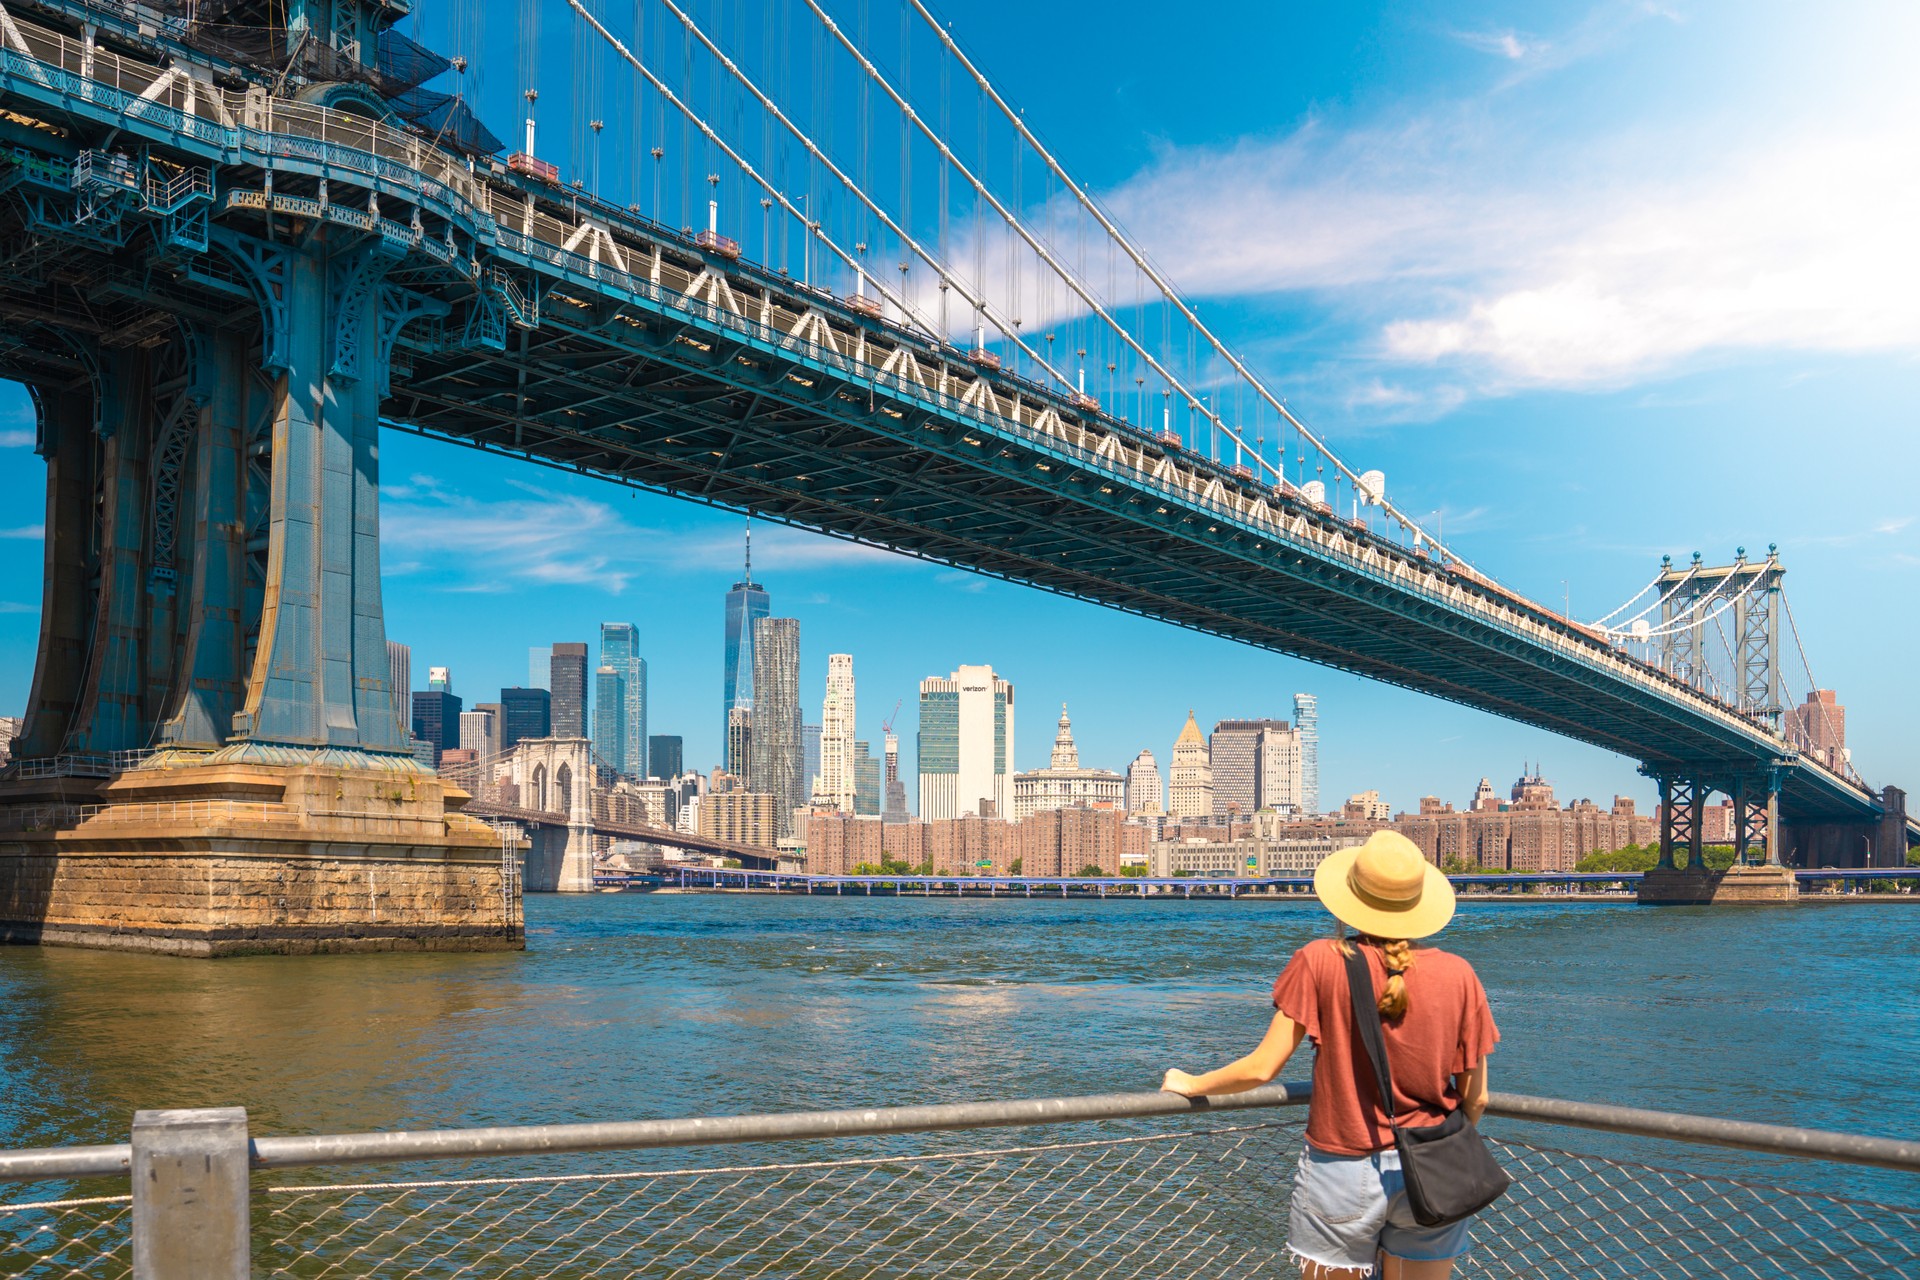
(629, 1006)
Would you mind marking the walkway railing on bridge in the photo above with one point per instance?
(1120, 1185)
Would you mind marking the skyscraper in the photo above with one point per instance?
(809, 759)
(540, 667)
(893, 803)
(400, 680)
(524, 713)
(746, 604)
(965, 744)
(620, 701)
(1306, 718)
(569, 687)
(1145, 796)
(436, 716)
(837, 778)
(665, 756)
(866, 781)
(739, 745)
(1255, 765)
(477, 732)
(494, 710)
(775, 756)
(1190, 776)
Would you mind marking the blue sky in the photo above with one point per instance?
(1594, 282)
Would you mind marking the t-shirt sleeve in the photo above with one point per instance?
(1297, 995)
(1478, 1034)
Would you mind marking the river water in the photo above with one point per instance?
(632, 1005)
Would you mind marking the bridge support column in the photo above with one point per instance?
(1683, 821)
(213, 761)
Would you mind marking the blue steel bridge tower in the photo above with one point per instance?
(206, 331)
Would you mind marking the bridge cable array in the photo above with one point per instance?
(1050, 245)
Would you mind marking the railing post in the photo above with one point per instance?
(191, 1219)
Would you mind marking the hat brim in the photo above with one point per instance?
(1428, 914)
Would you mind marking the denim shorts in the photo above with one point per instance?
(1347, 1209)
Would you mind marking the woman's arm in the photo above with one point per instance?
(1257, 1068)
(1473, 1091)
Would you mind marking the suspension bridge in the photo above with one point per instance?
(835, 279)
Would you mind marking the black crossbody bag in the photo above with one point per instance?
(1450, 1173)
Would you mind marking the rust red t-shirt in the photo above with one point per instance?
(1446, 1031)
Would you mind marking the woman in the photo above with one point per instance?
(1350, 1213)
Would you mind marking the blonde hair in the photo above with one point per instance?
(1393, 1001)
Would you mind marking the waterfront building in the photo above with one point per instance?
(1252, 855)
(740, 817)
(426, 754)
(476, 732)
(524, 713)
(776, 758)
(1190, 777)
(1063, 782)
(620, 702)
(1067, 841)
(12, 727)
(866, 780)
(1146, 797)
(400, 680)
(1484, 799)
(540, 667)
(838, 842)
(965, 744)
(666, 755)
(568, 685)
(970, 844)
(836, 770)
(1306, 723)
(1818, 728)
(894, 799)
(746, 604)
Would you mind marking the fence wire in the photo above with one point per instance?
(1180, 1206)
(86, 1239)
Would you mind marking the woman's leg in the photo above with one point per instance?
(1392, 1268)
(1321, 1271)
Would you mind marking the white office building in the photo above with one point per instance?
(965, 745)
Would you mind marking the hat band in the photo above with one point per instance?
(1377, 901)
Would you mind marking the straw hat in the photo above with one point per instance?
(1385, 888)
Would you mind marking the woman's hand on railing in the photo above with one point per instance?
(1178, 1081)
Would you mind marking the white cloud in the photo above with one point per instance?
(1506, 44)
(1501, 248)
(24, 532)
(16, 438)
(1805, 245)
(14, 606)
(490, 544)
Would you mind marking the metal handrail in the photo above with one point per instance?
(45, 1164)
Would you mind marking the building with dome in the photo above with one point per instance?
(1063, 784)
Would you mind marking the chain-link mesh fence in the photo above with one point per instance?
(86, 1238)
(1196, 1203)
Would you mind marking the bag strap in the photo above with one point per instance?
(1366, 1020)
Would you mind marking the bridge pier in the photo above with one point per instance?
(1852, 844)
(212, 760)
(1683, 800)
